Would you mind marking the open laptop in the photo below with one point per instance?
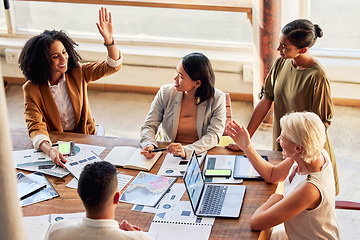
(211, 200)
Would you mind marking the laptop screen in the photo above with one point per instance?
(194, 181)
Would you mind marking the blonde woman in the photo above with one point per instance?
(307, 208)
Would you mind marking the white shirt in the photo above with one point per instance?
(64, 105)
(321, 222)
(91, 229)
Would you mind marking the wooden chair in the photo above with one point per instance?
(347, 205)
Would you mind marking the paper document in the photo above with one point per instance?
(130, 157)
(46, 193)
(37, 161)
(37, 227)
(123, 180)
(147, 189)
(176, 166)
(75, 164)
(176, 220)
(26, 186)
(174, 194)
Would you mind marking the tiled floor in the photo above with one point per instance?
(122, 115)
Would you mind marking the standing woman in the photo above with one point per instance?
(296, 82)
(55, 94)
(191, 110)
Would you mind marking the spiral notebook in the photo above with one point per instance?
(176, 220)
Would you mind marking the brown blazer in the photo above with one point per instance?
(41, 113)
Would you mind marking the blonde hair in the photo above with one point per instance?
(305, 129)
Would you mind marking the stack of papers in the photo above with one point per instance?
(173, 166)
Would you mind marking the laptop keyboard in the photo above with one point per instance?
(214, 199)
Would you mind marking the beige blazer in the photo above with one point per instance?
(165, 110)
(41, 113)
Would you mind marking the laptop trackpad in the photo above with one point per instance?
(233, 201)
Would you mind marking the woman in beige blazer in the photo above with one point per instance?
(191, 110)
(55, 94)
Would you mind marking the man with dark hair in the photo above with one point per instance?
(98, 190)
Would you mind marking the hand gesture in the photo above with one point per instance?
(124, 225)
(176, 149)
(146, 153)
(239, 134)
(57, 157)
(105, 25)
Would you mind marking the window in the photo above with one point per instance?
(2, 22)
(135, 22)
(339, 22)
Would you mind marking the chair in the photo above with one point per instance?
(100, 130)
(347, 205)
(348, 219)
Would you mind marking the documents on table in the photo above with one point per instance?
(75, 164)
(46, 193)
(147, 189)
(26, 186)
(174, 194)
(220, 162)
(130, 157)
(37, 227)
(176, 166)
(123, 180)
(176, 220)
(38, 161)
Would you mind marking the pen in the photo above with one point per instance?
(158, 150)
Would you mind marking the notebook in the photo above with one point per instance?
(212, 200)
(130, 157)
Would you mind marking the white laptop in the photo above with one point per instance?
(211, 200)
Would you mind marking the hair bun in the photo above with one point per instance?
(318, 31)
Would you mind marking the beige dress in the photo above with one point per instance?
(300, 90)
(320, 222)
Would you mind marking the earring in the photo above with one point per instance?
(197, 100)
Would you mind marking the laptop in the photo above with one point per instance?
(211, 200)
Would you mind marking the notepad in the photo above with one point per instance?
(130, 157)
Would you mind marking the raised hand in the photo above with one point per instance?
(105, 25)
(239, 134)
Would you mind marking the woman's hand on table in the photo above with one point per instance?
(53, 153)
(146, 153)
(176, 149)
(57, 157)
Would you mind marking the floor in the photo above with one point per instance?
(122, 115)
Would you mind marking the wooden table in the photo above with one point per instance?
(257, 191)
